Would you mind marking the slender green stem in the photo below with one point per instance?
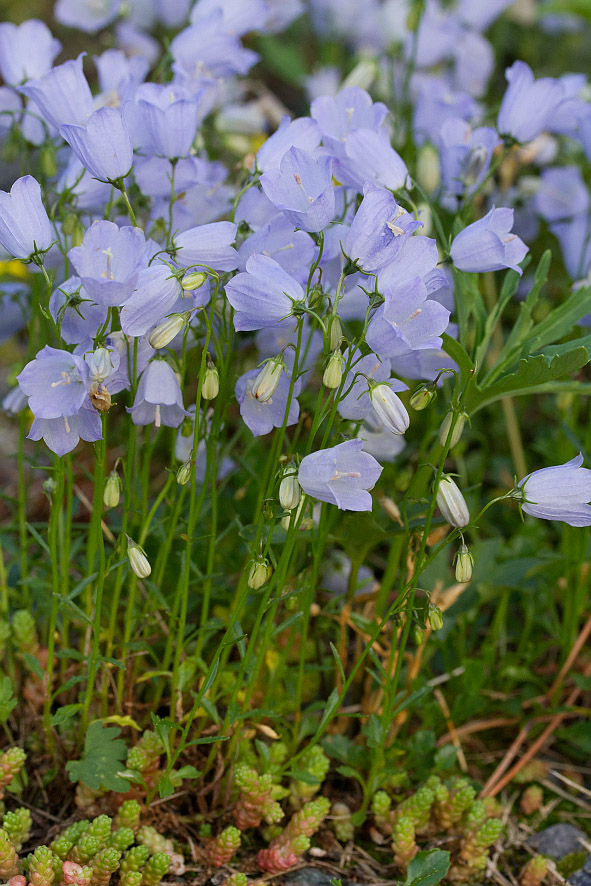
(56, 589)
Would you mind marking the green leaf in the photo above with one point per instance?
(373, 731)
(186, 772)
(427, 868)
(33, 665)
(65, 713)
(524, 321)
(359, 533)
(165, 786)
(566, 7)
(7, 700)
(533, 375)
(207, 739)
(282, 59)
(102, 760)
(163, 727)
(458, 353)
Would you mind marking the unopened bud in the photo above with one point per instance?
(260, 572)
(100, 397)
(334, 370)
(457, 431)
(422, 396)
(69, 224)
(211, 382)
(451, 503)
(164, 333)
(418, 635)
(47, 159)
(183, 474)
(336, 333)
(389, 408)
(289, 491)
(362, 75)
(435, 617)
(77, 235)
(428, 168)
(265, 384)
(474, 164)
(137, 559)
(464, 563)
(101, 364)
(294, 516)
(49, 486)
(194, 280)
(111, 491)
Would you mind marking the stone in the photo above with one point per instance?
(558, 840)
(312, 876)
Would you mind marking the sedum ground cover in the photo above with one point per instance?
(294, 564)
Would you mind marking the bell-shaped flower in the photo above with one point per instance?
(63, 434)
(488, 244)
(528, 105)
(163, 119)
(352, 108)
(18, 60)
(208, 47)
(561, 493)
(208, 246)
(451, 502)
(408, 320)
(263, 295)
(465, 154)
(25, 228)
(301, 133)
(340, 475)
(294, 250)
(158, 399)
(63, 94)
(302, 189)
(103, 145)
(435, 103)
(156, 295)
(56, 383)
(109, 261)
(377, 232)
(369, 156)
(262, 415)
(87, 15)
(378, 441)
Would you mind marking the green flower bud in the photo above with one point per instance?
(260, 572)
(464, 563)
(435, 617)
(336, 333)
(69, 224)
(211, 382)
(183, 474)
(112, 490)
(194, 280)
(47, 160)
(334, 370)
(137, 559)
(457, 431)
(289, 490)
(362, 75)
(428, 168)
(422, 396)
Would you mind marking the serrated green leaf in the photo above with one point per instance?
(165, 786)
(7, 700)
(102, 760)
(427, 868)
(33, 665)
(531, 375)
(459, 355)
(65, 713)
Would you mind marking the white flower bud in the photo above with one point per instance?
(457, 431)
(428, 168)
(265, 384)
(451, 503)
(464, 563)
(137, 559)
(183, 474)
(260, 572)
(112, 489)
(334, 370)
(101, 364)
(164, 333)
(474, 164)
(362, 75)
(289, 491)
(194, 280)
(294, 516)
(211, 383)
(389, 408)
(336, 333)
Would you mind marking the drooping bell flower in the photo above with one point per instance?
(103, 145)
(158, 399)
(341, 475)
(25, 228)
(562, 492)
(488, 244)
